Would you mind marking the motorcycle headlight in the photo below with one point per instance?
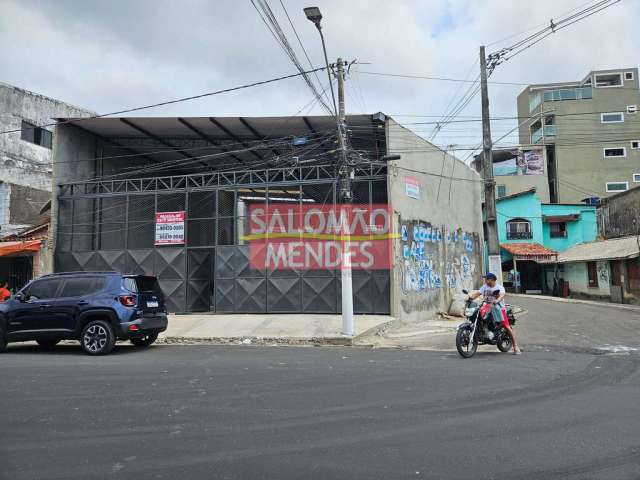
(469, 311)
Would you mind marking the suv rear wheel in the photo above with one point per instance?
(97, 338)
(47, 344)
(144, 341)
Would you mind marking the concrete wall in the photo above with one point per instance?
(585, 229)
(74, 153)
(27, 167)
(439, 251)
(619, 215)
(577, 276)
(581, 167)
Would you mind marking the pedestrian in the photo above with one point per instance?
(5, 294)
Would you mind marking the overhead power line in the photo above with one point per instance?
(271, 22)
(170, 102)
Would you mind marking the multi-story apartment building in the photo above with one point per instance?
(588, 132)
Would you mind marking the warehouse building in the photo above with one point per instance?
(122, 182)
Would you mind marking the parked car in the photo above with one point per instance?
(95, 308)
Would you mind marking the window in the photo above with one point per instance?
(79, 287)
(592, 274)
(578, 93)
(613, 117)
(43, 289)
(32, 134)
(636, 177)
(632, 109)
(502, 190)
(617, 186)
(628, 75)
(518, 229)
(635, 144)
(614, 152)
(605, 80)
(558, 230)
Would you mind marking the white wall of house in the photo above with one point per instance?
(577, 276)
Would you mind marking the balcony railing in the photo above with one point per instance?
(519, 235)
(558, 234)
(549, 131)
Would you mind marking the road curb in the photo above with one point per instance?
(633, 308)
(260, 341)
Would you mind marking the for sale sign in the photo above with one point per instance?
(170, 228)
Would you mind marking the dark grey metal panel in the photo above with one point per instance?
(170, 263)
(109, 260)
(381, 292)
(140, 261)
(224, 262)
(284, 294)
(198, 296)
(362, 300)
(319, 295)
(66, 262)
(199, 264)
(225, 295)
(174, 293)
(242, 263)
(251, 295)
(199, 270)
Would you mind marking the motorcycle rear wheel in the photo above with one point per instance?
(504, 341)
(464, 344)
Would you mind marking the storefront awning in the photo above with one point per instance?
(529, 251)
(613, 249)
(12, 248)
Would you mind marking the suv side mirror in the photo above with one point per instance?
(20, 297)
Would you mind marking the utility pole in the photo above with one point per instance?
(495, 264)
(344, 178)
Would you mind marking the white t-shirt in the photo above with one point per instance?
(487, 292)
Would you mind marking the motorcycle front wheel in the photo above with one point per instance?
(464, 344)
(504, 341)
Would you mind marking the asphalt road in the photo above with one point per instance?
(215, 412)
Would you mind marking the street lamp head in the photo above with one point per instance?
(313, 14)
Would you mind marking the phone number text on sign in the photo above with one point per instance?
(170, 228)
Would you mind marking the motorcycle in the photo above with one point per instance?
(480, 329)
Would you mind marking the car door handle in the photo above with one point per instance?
(83, 302)
(46, 305)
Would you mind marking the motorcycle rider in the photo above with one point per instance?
(498, 311)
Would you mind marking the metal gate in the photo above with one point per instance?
(110, 226)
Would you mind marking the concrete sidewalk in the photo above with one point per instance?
(267, 328)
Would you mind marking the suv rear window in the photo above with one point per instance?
(81, 286)
(142, 285)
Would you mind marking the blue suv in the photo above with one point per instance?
(96, 308)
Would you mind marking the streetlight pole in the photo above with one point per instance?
(344, 174)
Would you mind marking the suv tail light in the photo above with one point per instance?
(127, 300)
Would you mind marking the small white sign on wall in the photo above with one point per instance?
(412, 187)
(495, 266)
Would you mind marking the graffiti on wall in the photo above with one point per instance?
(603, 272)
(436, 258)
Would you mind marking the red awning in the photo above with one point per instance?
(11, 248)
(529, 251)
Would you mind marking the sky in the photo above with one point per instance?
(117, 54)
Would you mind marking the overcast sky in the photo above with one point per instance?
(116, 54)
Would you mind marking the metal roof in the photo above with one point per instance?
(613, 249)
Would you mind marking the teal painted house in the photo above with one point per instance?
(531, 233)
